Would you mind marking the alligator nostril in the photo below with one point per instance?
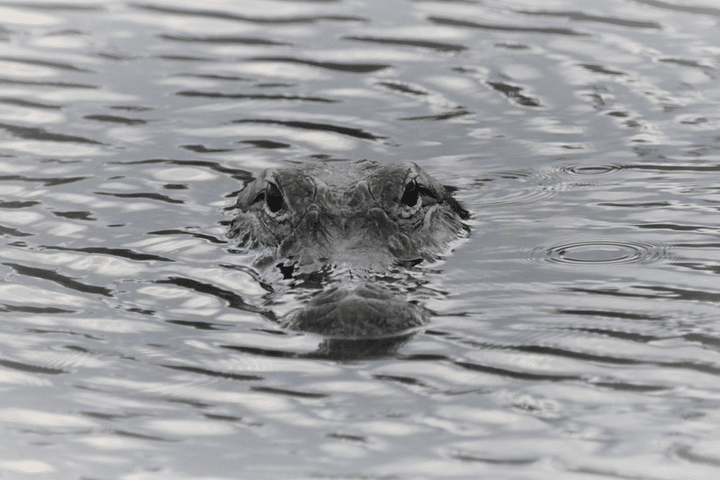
(313, 216)
(347, 226)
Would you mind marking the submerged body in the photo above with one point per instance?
(365, 217)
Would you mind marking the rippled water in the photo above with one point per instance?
(575, 333)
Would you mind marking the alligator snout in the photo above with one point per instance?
(364, 311)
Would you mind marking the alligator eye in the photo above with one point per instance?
(411, 201)
(412, 194)
(273, 198)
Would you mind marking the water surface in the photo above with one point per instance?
(575, 332)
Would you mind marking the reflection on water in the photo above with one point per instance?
(574, 335)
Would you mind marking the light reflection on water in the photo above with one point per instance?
(574, 333)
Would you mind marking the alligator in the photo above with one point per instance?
(341, 229)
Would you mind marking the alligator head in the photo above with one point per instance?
(364, 218)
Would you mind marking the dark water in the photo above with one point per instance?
(577, 332)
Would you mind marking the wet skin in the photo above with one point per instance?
(365, 218)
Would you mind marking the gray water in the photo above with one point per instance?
(576, 333)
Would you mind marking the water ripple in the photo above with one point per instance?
(439, 46)
(214, 373)
(12, 81)
(76, 215)
(33, 133)
(48, 182)
(116, 119)
(503, 28)
(13, 232)
(591, 169)
(527, 189)
(69, 7)
(62, 280)
(267, 144)
(323, 127)
(337, 66)
(514, 93)
(28, 103)
(715, 12)
(151, 196)
(24, 367)
(584, 17)
(35, 310)
(457, 112)
(224, 40)
(220, 15)
(44, 63)
(118, 252)
(289, 393)
(602, 252)
(237, 173)
(202, 236)
(253, 96)
(18, 204)
(233, 299)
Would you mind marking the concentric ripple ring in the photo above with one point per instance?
(602, 253)
(591, 169)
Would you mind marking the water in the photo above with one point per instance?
(576, 332)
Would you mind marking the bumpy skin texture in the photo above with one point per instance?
(365, 216)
